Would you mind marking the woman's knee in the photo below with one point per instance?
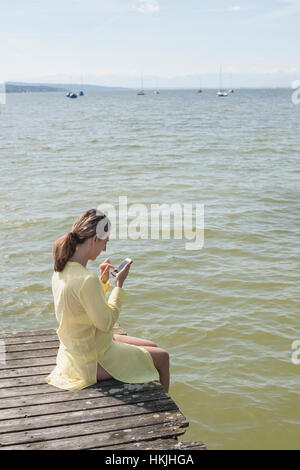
(146, 342)
(163, 359)
(166, 357)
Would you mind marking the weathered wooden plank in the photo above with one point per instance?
(27, 341)
(25, 391)
(25, 372)
(116, 437)
(18, 334)
(98, 424)
(10, 348)
(78, 405)
(57, 395)
(18, 363)
(153, 405)
(43, 387)
(37, 380)
(64, 395)
(30, 354)
(158, 444)
(22, 381)
(32, 385)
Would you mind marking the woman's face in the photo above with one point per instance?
(97, 246)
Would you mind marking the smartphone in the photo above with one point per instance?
(121, 266)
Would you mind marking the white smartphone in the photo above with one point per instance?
(121, 266)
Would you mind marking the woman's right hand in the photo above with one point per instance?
(120, 278)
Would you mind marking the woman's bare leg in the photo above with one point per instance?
(162, 363)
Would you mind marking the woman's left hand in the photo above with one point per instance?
(104, 270)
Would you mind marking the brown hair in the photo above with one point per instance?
(83, 228)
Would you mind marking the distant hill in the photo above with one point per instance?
(16, 87)
(85, 87)
(26, 88)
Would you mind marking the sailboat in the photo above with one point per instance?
(156, 91)
(71, 94)
(141, 92)
(200, 89)
(81, 93)
(231, 89)
(221, 92)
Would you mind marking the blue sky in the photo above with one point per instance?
(63, 40)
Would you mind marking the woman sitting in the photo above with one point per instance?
(89, 351)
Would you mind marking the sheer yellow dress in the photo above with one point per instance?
(86, 319)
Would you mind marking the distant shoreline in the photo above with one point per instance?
(12, 87)
(15, 87)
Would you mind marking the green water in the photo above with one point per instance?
(229, 313)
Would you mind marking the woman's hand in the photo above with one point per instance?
(120, 278)
(105, 270)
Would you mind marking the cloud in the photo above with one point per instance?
(235, 8)
(148, 6)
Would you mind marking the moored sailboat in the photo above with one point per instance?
(141, 92)
(200, 89)
(221, 92)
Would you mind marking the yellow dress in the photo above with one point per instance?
(86, 319)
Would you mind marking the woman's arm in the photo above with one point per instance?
(103, 313)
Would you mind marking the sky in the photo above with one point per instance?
(170, 41)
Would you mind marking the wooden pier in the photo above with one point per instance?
(109, 415)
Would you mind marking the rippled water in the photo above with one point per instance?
(228, 313)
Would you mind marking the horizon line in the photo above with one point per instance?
(81, 85)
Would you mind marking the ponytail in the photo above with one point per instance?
(63, 249)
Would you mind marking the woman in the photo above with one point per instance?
(89, 351)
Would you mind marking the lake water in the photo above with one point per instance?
(228, 313)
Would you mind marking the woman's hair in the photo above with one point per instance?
(83, 228)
